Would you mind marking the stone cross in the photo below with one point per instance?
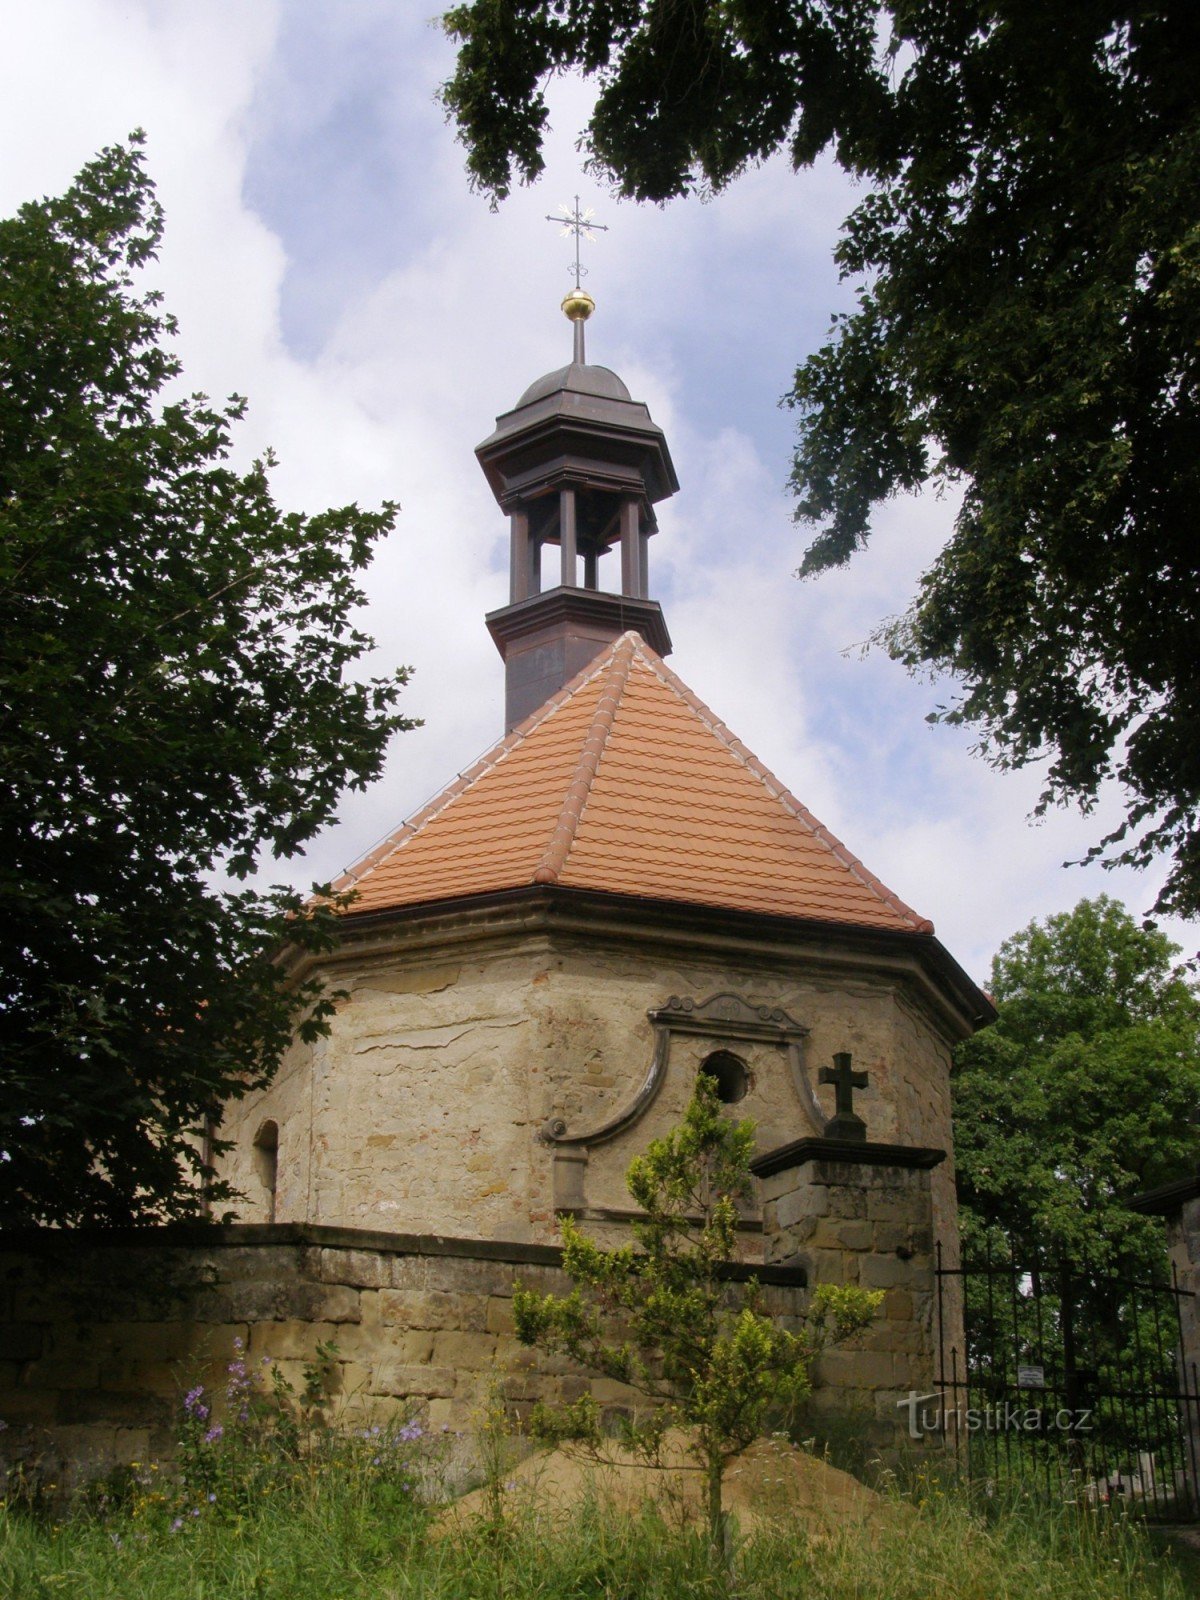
(845, 1122)
(579, 223)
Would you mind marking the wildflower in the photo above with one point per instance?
(195, 1511)
(177, 1524)
(214, 1433)
(211, 1499)
(193, 1403)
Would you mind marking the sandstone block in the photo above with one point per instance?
(433, 1308)
(442, 1416)
(407, 1272)
(499, 1315)
(36, 1406)
(361, 1269)
(350, 1383)
(913, 1368)
(799, 1204)
(243, 1301)
(854, 1235)
(114, 1409)
(289, 1341)
(417, 1380)
(886, 1272)
(896, 1208)
(898, 1305)
(138, 1376)
(150, 1341)
(467, 1352)
(857, 1369)
(58, 1373)
(834, 1266)
(460, 1275)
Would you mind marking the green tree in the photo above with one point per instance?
(662, 1314)
(1028, 324)
(1084, 1091)
(178, 701)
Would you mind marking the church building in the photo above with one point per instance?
(617, 896)
(532, 971)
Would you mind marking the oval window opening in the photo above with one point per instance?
(729, 1074)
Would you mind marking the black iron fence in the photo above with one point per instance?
(1070, 1380)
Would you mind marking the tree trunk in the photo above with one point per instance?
(716, 1510)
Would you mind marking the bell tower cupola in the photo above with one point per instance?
(578, 466)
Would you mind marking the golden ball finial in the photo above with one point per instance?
(578, 305)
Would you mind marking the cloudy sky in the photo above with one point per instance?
(325, 257)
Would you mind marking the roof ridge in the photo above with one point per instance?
(490, 759)
(784, 795)
(575, 800)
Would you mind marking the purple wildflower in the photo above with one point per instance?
(214, 1433)
(193, 1403)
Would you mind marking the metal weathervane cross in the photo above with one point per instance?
(581, 225)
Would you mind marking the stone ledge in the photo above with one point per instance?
(300, 1234)
(846, 1152)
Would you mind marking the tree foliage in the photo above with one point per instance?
(176, 660)
(1083, 1093)
(1028, 324)
(662, 1315)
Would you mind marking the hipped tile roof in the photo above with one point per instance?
(626, 783)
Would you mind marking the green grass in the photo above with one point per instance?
(275, 1502)
(334, 1537)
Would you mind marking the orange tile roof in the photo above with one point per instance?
(625, 782)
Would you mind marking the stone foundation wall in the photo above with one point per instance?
(101, 1335)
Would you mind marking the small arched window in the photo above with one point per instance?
(266, 1163)
(729, 1073)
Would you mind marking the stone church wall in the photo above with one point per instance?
(424, 1109)
(101, 1336)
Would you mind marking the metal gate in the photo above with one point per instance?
(1067, 1380)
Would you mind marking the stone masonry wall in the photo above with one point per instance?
(422, 1110)
(850, 1222)
(101, 1335)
